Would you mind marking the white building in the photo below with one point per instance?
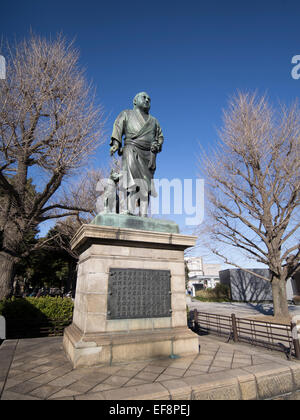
(201, 275)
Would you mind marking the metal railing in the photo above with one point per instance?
(260, 333)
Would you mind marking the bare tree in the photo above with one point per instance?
(49, 126)
(252, 189)
(81, 195)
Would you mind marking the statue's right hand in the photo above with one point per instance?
(113, 149)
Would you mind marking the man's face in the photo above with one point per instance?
(143, 101)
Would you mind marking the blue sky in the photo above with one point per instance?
(190, 56)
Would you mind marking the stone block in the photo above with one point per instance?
(178, 389)
(95, 323)
(248, 387)
(96, 303)
(272, 380)
(215, 387)
(178, 283)
(178, 302)
(179, 318)
(117, 325)
(161, 322)
(180, 346)
(295, 370)
(140, 351)
(96, 282)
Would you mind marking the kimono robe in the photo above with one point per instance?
(136, 152)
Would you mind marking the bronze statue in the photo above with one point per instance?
(143, 139)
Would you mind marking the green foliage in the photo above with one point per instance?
(41, 308)
(221, 293)
(296, 300)
(44, 268)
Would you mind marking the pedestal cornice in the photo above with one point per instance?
(90, 234)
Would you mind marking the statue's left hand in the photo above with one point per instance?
(154, 147)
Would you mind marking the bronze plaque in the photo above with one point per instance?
(138, 293)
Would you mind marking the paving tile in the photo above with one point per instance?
(196, 369)
(164, 377)
(256, 360)
(44, 391)
(80, 387)
(13, 396)
(24, 387)
(64, 393)
(38, 362)
(101, 387)
(135, 381)
(174, 372)
(1, 386)
(16, 365)
(154, 369)
(127, 373)
(44, 378)
(42, 369)
(61, 370)
(116, 381)
(10, 382)
(220, 363)
(216, 369)
(94, 379)
(181, 365)
(203, 360)
(239, 365)
(3, 373)
(139, 365)
(147, 376)
(161, 362)
(25, 376)
(110, 370)
(154, 391)
(14, 372)
(242, 358)
(63, 381)
(93, 397)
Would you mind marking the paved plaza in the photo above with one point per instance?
(38, 369)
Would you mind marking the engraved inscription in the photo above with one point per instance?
(137, 293)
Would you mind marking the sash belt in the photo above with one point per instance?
(133, 142)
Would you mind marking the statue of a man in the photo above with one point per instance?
(143, 139)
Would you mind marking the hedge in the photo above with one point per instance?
(38, 309)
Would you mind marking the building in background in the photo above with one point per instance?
(201, 275)
(247, 287)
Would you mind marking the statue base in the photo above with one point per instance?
(130, 299)
(135, 222)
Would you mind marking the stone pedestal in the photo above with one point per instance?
(94, 338)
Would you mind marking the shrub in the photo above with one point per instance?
(221, 293)
(296, 300)
(41, 308)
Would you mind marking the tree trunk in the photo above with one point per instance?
(7, 271)
(280, 303)
(72, 273)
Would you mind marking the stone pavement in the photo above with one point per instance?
(33, 369)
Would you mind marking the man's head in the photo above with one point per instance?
(142, 101)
